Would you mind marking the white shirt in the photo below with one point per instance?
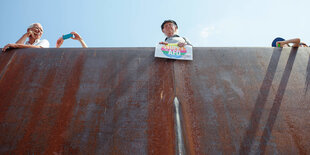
(43, 43)
(176, 38)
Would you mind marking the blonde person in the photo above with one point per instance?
(34, 34)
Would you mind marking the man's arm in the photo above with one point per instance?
(163, 42)
(59, 42)
(83, 43)
(182, 44)
(23, 38)
(295, 42)
(79, 38)
(19, 46)
(187, 41)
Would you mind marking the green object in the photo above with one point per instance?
(279, 45)
(172, 44)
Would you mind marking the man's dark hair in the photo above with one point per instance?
(168, 21)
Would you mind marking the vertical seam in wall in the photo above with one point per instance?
(178, 129)
(178, 126)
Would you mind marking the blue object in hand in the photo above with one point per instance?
(67, 36)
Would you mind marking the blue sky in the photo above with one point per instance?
(136, 23)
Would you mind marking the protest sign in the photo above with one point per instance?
(173, 51)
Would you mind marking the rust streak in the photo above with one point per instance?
(24, 145)
(58, 134)
(11, 82)
(192, 129)
(293, 131)
(224, 132)
(161, 132)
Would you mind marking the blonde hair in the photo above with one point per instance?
(32, 25)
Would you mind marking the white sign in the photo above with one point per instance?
(173, 51)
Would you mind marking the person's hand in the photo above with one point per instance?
(59, 42)
(8, 46)
(5, 47)
(181, 44)
(76, 36)
(282, 43)
(29, 33)
(163, 42)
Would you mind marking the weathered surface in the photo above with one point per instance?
(119, 101)
(86, 101)
(245, 100)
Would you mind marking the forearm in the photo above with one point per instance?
(22, 39)
(295, 42)
(26, 46)
(18, 46)
(188, 43)
(83, 43)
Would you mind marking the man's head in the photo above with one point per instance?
(35, 30)
(169, 27)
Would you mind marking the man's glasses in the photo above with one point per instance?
(37, 30)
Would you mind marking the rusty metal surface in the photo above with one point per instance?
(120, 101)
(245, 100)
(86, 101)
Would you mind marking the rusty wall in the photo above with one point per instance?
(87, 101)
(120, 101)
(245, 100)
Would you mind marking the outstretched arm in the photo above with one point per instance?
(295, 42)
(19, 46)
(59, 42)
(76, 36)
(83, 43)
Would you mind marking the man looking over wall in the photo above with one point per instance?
(170, 29)
(34, 33)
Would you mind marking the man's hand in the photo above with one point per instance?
(163, 42)
(79, 38)
(29, 33)
(181, 44)
(8, 46)
(59, 42)
(76, 36)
